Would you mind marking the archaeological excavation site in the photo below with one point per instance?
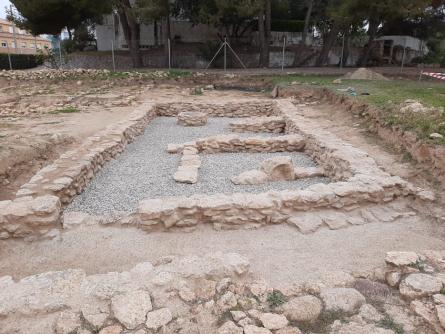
(149, 204)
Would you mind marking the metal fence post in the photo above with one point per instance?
(169, 55)
(112, 55)
(342, 51)
(60, 52)
(9, 58)
(284, 51)
(225, 54)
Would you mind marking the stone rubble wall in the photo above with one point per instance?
(28, 216)
(274, 124)
(230, 109)
(214, 293)
(71, 172)
(37, 206)
(234, 143)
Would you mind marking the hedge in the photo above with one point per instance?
(19, 62)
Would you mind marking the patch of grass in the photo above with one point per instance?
(178, 73)
(389, 323)
(67, 110)
(407, 157)
(197, 91)
(387, 96)
(275, 299)
(328, 317)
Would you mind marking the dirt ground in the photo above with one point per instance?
(280, 254)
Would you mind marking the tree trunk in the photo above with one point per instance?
(372, 32)
(155, 33)
(268, 27)
(347, 49)
(262, 38)
(131, 31)
(167, 37)
(328, 42)
(307, 21)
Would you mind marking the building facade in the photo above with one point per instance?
(18, 41)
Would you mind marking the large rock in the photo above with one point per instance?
(229, 328)
(250, 177)
(67, 323)
(399, 259)
(273, 321)
(344, 299)
(305, 308)
(419, 285)
(356, 328)
(279, 168)
(251, 329)
(289, 330)
(186, 174)
(158, 318)
(131, 308)
(440, 311)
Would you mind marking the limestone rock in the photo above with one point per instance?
(158, 318)
(289, 330)
(393, 278)
(67, 323)
(227, 301)
(192, 118)
(115, 329)
(229, 328)
(250, 177)
(186, 174)
(369, 313)
(95, 314)
(345, 299)
(399, 259)
(440, 311)
(356, 328)
(251, 329)
(238, 315)
(306, 172)
(131, 308)
(305, 308)
(419, 285)
(273, 321)
(279, 168)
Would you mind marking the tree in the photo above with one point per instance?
(264, 31)
(52, 16)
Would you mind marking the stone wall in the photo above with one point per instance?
(37, 206)
(230, 109)
(274, 124)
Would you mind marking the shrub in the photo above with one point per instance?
(19, 62)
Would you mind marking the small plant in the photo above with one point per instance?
(420, 265)
(275, 299)
(67, 110)
(197, 91)
(442, 291)
(328, 317)
(389, 323)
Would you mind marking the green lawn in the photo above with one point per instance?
(387, 96)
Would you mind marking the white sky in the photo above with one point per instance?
(3, 4)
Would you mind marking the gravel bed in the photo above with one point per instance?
(145, 170)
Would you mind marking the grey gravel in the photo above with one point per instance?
(145, 170)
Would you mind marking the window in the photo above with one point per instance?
(4, 45)
(11, 30)
(23, 45)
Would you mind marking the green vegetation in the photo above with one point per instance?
(67, 110)
(389, 323)
(442, 291)
(19, 62)
(275, 299)
(387, 96)
(178, 73)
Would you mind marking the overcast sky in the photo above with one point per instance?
(3, 4)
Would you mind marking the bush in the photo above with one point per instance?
(19, 62)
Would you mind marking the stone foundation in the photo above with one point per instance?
(192, 118)
(358, 178)
(274, 124)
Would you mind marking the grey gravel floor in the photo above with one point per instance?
(145, 170)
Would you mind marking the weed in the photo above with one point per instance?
(442, 291)
(328, 317)
(407, 157)
(389, 323)
(67, 110)
(197, 91)
(275, 299)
